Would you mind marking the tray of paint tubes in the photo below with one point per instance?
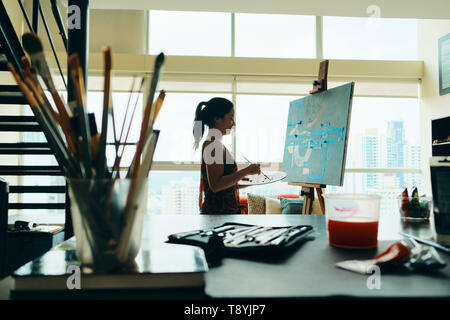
(238, 237)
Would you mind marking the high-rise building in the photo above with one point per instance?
(370, 158)
(396, 131)
(180, 197)
(413, 161)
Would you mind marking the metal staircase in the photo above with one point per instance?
(16, 248)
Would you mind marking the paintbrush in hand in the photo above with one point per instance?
(252, 163)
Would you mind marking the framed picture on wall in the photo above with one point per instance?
(444, 65)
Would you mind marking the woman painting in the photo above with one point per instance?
(219, 189)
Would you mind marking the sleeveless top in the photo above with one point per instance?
(222, 202)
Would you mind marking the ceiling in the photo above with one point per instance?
(420, 9)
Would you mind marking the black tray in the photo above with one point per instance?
(213, 242)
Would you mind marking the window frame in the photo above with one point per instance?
(234, 69)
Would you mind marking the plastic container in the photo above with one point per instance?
(352, 219)
(107, 220)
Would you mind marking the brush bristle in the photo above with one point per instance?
(107, 57)
(73, 61)
(159, 59)
(31, 43)
(25, 62)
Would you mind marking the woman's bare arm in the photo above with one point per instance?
(218, 181)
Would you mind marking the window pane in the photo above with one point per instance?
(370, 38)
(190, 33)
(175, 121)
(277, 36)
(384, 133)
(173, 192)
(261, 127)
(120, 102)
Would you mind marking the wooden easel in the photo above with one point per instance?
(307, 192)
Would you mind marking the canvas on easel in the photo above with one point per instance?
(316, 137)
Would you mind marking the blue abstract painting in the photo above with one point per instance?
(316, 137)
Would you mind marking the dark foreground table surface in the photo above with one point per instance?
(308, 271)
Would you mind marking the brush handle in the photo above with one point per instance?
(101, 165)
(77, 77)
(59, 150)
(143, 139)
(65, 123)
(41, 65)
(159, 103)
(147, 160)
(155, 78)
(149, 113)
(39, 61)
(31, 81)
(252, 163)
(134, 195)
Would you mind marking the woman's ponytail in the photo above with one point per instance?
(199, 124)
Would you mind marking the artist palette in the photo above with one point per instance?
(258, 179)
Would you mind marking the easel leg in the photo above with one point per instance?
(308, 198)
(320, 197)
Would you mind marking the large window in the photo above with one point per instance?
(384, 141)
(383, 155)
(275, 36)
(261, 127)
(383, 133)
(128, 117)
(211, 34)
(190, 33)
(370, 38)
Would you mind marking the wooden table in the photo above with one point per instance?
(307, 272)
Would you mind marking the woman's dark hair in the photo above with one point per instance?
(205, 114)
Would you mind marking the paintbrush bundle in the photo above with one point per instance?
(80, 149)
(71, 132)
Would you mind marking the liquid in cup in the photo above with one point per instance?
(352, 220)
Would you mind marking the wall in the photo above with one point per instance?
(15, 14)
(434, 9)
(432, 105)
(123, 30)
